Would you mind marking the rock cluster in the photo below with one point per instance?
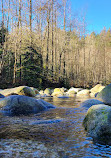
(72, 92)
(17, 101)
(97, 121)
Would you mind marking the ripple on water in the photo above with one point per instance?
(52, 134)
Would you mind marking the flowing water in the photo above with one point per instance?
(56, 133)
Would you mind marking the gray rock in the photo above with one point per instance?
(21, 90)
(22, 105)
(105, 95)
(97, 123)
(90, 102)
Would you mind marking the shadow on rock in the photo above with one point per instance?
(16, 105)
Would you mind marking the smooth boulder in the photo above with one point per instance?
(47, 92)
(83, 93)
(22, 105)
(97, 88)
(77, 89)
(105, 95)
(58, 92)
(90, 102)
(71, 92)
(21, 90)
(97, 123)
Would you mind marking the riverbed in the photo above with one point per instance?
(56, 133)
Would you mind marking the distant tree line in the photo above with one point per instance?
(43, 45)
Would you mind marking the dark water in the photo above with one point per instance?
(56, 133)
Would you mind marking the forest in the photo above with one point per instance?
(43, 44)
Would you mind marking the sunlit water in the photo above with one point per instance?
(56, 133)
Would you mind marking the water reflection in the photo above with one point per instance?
(52, 134)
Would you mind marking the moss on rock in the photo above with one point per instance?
(96, 122)
(105, 95)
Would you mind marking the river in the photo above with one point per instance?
(56, 133)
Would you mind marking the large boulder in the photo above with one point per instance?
(97, 123)
(97, 88)
(58, 92)
(21, 90)
(77, 89)
(22, 105)
(83, 93)
(71, 92)
(47, 92)
(105, 95)
(90, 102)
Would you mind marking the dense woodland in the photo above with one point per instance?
(42, 44)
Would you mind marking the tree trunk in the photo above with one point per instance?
(2, 63)
(52, 41)
(15, 64)
(64, 49)
(8, 16)
(48, 33)
(55, 50)
(2, 21)
(64, 5)
(20, 35)
(30, 20)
